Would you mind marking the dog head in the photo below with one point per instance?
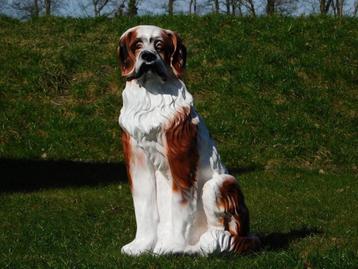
(148, 49)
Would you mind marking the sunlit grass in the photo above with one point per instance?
(278, 95)
(303, 218)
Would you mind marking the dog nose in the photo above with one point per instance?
(148, 56)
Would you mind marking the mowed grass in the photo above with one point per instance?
(280, 92)
(305, 220)
(279, 96)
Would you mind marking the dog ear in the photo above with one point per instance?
(178, 56)
(125, 54)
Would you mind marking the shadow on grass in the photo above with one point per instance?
(31, 175)
(281, 241)
(271, 242)
(244, 170)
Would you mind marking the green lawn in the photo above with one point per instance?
(279, 96)
(305, 219)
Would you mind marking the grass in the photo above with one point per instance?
(278, 94)
(305, 220)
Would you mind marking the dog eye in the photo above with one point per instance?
(136, 46)
(159, 45)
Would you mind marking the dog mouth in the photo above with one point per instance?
(154, 67)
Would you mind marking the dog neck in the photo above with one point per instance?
(149, 104)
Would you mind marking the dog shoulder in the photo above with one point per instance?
(182, 150)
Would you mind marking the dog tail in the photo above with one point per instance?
(245, 244)
(237, 220)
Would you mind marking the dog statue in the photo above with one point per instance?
(184, 199)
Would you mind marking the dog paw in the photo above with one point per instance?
(215, 241)
(162, 248)
(137, 247)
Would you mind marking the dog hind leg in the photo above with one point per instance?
(227, 218)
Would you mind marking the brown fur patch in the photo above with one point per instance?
(127, 152)
(237, 220)
(182, 152)
(175, 52)
(127, 52)
(232, 200)
(168, 48)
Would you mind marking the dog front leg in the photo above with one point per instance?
(182, 218)
(142, 181)
(179, 224)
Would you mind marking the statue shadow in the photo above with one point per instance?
(277, 241)
(244, 169)
(23, 175)
(31, 175)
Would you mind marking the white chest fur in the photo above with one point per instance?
(147, 110)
